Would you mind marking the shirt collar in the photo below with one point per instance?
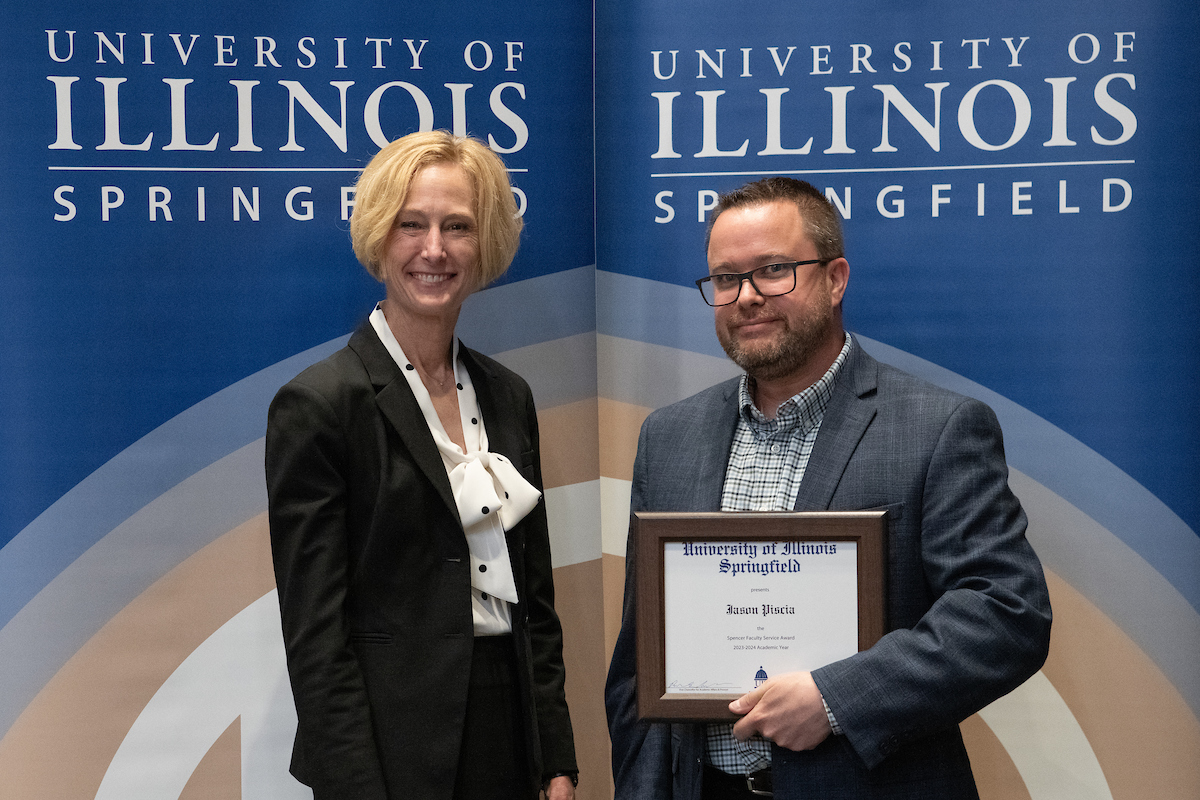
(805, 409)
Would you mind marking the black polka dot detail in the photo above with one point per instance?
(506, 495)
(483, 567)
(474, 421)
(486, 510)
(459, 387)
(483, 595)
(409, 367)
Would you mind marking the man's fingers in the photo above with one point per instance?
(749, 700)
(746, 727)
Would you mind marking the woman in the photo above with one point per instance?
(407, 526)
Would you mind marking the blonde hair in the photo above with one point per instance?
(383, 186)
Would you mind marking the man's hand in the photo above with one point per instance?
(560, 788)
(787, 709)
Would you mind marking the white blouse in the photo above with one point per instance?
(491, 495)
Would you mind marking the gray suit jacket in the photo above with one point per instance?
(968, 614)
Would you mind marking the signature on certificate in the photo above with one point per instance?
(702, 686)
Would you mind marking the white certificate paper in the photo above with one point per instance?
(737, 613)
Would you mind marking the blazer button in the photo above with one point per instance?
(483, 567)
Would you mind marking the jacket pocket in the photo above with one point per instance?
(525, 465)
(370, 638)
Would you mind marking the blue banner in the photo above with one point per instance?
(178, 183)
(178, 193)
(1014, 187)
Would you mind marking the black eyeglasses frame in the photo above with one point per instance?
(749, 276)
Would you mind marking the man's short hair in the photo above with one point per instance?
(382, 189)
(821, 220)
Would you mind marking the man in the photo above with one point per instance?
(817, 424)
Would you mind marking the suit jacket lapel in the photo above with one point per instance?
(708, 477)
(399, 407)
(849, 413)
(502, 429)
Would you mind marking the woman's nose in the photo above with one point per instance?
(434, 247)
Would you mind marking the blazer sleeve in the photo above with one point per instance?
(641, 751)
(545, 630)
(306, 455)
(977, 593)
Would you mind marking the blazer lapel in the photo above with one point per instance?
(399, 407)
(847, 417)
(707, 476)
(502, 428)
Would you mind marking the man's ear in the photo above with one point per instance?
(837, 272)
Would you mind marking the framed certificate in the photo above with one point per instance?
(728, 599)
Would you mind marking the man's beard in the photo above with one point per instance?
(789, 352)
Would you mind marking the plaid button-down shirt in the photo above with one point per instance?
(766, 464)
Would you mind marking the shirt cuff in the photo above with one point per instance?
(574, 776)
(833, 723)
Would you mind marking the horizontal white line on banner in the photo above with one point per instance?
(218, 169)
(887, 169)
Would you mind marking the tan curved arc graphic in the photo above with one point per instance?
(1144, 735)
(570, 437)
(996, 776)
(62, 743)
(1142, 732)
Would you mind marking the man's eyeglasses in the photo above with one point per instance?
(772, 280)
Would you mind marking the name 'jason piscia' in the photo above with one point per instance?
(764, 610)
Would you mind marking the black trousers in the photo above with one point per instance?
(492, 764)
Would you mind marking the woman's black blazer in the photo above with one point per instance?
(373, 573)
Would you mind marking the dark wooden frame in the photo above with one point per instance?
(868, 529)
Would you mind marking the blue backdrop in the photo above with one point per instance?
(116, 319)
(1086, 316)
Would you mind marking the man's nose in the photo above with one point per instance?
(748, 296)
